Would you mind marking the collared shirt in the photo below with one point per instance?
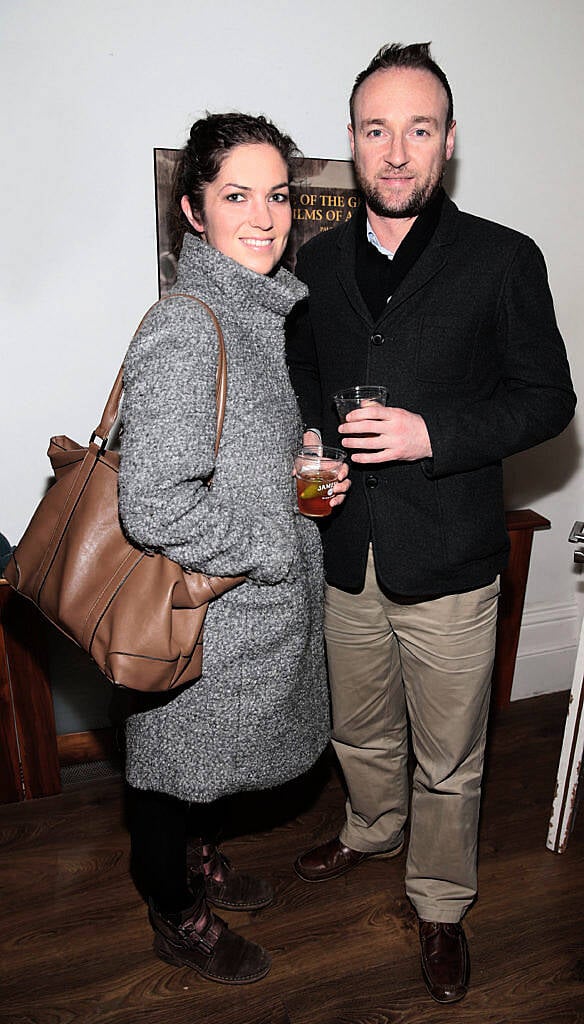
(372, 237)
(378, 272)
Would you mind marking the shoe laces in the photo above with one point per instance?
(214, 863)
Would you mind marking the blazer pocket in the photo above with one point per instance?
(445, 350)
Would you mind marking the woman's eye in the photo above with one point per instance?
(279, 197)
(235, 197)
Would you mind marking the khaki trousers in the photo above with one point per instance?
(431, 661)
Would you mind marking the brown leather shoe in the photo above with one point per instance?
(224, 886)
(445, 960)
(333, 859)
(203, 941)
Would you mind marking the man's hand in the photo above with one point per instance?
(393, 434)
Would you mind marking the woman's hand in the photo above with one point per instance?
(341, 486)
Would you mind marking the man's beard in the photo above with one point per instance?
(411, 205)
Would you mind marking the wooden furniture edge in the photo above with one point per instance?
(521, 525)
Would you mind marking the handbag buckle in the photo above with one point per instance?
(101, 441)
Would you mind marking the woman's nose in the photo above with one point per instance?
(261, 216)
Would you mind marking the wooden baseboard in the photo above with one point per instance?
(80, 747)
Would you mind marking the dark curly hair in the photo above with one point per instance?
(210, 141)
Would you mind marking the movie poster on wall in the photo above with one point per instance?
(323, 195)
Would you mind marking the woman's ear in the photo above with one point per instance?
(194, 221)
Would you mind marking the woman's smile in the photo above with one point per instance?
(246, 209)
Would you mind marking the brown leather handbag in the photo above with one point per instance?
(139, 615)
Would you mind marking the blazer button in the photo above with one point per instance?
(371, 480)
(377, 339)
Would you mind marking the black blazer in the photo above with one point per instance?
(469, 340)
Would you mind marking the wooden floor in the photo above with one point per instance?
(75, 946)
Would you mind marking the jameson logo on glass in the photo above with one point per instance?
(323, 194)
(317, 468)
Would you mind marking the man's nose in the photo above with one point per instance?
(396, 154)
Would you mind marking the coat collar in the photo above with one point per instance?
(433, 259)
(225, 283)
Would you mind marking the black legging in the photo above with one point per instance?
(160, 824)
(159, 829)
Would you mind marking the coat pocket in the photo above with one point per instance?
(445, 349)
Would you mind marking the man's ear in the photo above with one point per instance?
(351, 139)
(450, 137)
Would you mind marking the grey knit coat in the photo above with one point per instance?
(259, 714)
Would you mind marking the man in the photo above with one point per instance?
(454, 316)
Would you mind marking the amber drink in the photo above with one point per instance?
(317, 468)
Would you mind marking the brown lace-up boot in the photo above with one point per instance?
(224, 886)
(204, 942)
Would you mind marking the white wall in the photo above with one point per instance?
(90, 88)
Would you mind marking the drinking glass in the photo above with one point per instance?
(317, 468)
(357, 397)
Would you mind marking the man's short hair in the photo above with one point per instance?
(394, 55)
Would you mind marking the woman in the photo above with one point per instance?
(259, 714)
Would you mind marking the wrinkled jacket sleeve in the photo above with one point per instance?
(167, 456)
(534, 399)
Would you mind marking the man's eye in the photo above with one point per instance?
(374, 133)
(419, 132)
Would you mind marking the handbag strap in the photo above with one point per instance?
(110, 413)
